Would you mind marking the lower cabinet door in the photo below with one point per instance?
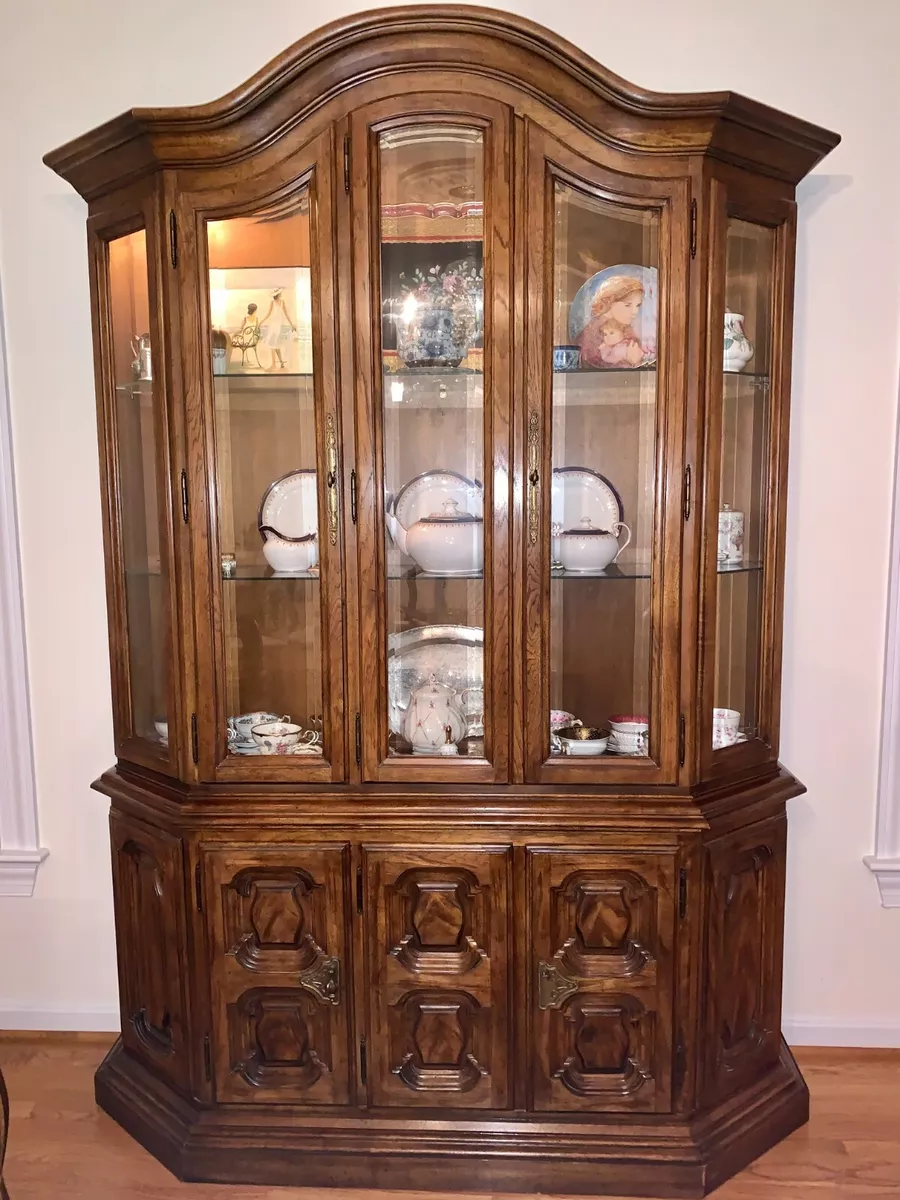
(148, 886)
(601, 980)
(439, 933)
(744, 946)
(280, 972)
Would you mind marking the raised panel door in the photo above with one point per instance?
(601, 980)
(744, 965)
(438, 965)
(148, 884)
(280, 973)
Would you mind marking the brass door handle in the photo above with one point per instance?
(323, 979)
(331, 466)
(534, 475)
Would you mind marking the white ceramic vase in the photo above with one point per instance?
(738, 349)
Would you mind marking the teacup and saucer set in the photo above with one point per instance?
(267, 733)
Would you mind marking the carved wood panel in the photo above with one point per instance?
(280, 973)
(744, 947)
(438, 1020)
(602, 936)
(148, 887)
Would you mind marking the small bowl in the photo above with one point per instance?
(276, 737)
(584, 740)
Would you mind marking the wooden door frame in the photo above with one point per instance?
(366, 123)
(200, 201)
(548, 159)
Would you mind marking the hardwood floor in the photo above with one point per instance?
(60, 1145)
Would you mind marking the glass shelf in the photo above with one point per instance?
(741, 568)
(253, 377)
(755, 375)
(649, 369)
(432, 372)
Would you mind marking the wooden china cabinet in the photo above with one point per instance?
(396, 345)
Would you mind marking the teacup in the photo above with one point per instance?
(280, 736)
(241, 726)
(560, 718)
(631, 733)
(566, 358)
(726, 723)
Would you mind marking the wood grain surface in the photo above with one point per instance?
(60, 1143)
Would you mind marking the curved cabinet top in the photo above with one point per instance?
(476, 41)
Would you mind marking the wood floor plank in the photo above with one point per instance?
(62, 1145)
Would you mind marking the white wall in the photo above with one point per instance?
(67, 67)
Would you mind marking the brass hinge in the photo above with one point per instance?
(198, 887)
(693, 229)
(207, 1059)
(686, 508)
(346, 162)
(359, 890)
(679, 1066)
(173, 238)
(353, 512)
(363, 1062)
(681, 736)
(195, 739)
(358, 739)
(185, 511)
(682, 893)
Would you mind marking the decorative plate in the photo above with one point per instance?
(290, 504)
(429, 492)
(579, 492)
(454, 654)
(614, 317)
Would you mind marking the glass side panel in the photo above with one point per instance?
(137, 456)
(749, 268)
(268, 482)
(605, 317)
(432, 277)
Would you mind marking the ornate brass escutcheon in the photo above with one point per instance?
(331, 477)
(323, 979)
(553, 986)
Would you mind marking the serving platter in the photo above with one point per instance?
(578, 492)
(454, 654)
(290, 504)
(428, 493)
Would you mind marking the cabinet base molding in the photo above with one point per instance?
(649, 1156)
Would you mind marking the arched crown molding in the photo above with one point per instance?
(479, 41)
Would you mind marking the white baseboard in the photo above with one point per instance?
(806, 1032)
(53, 1020)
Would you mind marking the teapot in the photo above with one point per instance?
(434, 718)
(588, 548)
(450, 542)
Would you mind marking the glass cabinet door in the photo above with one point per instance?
(276, 517)
(594, 540)
(441, 477)
(137, 496)
(743, 534)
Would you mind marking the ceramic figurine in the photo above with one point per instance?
(447, 543)
(433, 709)
(247, 337)
(738, 350)
(273, 331)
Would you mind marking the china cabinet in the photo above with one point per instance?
(443, 385)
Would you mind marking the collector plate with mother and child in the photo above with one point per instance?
(614, 317)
